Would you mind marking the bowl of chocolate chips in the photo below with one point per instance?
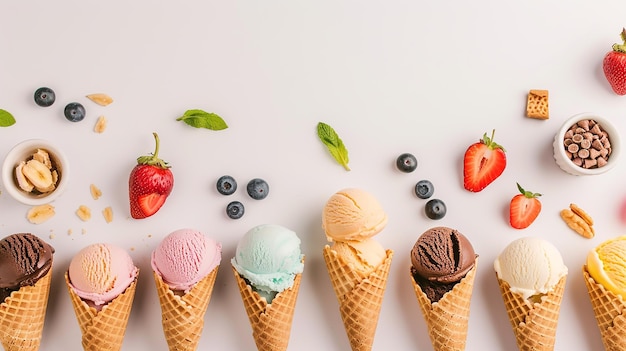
(587, 144)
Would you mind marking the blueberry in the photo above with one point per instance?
(235, 210)
(258, 189)
(226, 185)
(74, 112)
(44, 97)
(406, 163)
(424, 189)
(435, 209)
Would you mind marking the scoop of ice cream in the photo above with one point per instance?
(440, 258)
(24, 259)
(352, 215)
(269, 257)
(531, 266)
(184, 257)
(363, 256)
(442, 255)
(100, 272)
(607, 265)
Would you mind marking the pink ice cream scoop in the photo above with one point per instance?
(100, 272)
(184, 257)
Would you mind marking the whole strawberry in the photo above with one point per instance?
(150, 183)
(614, 66)
(484, 161)
(524, 208)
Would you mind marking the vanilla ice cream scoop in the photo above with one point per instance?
(100, 272)
(531, 266)
(352, 215)
(607, 265)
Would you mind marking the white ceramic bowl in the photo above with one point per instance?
(24, 151)
(564, 162)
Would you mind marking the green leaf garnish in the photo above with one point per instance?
(329, 137)
(202, 119)
(6, 119)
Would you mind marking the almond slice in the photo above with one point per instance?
(83, 212)
(100, 99)
(101, 125)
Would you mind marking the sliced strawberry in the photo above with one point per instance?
(524, 208)
(484, 161)
(147, 205)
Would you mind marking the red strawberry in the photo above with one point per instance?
(614, 66)
(150, 183)
(484, 161)
(524, 209)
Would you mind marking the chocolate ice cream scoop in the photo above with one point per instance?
(442, 255)
(24, 259)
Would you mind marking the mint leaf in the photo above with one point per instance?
(6, 119)
(202, 119)
(337, 149)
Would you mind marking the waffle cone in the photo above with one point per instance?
(271, 323)
(22, 316)
(183, 316)
(448, 318)
(534, 324)
(103, 330)
(360, 298)
(610, 312)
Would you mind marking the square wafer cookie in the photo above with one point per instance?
(537, 104)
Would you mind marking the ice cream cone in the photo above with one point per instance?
(183, 316)
(22, 316)
(360, 298)
(103, 330)
(610, 312)
(271, 323)
(534, 323)
(447, 319)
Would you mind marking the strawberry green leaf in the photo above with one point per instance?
(6, 119)
(202, 119)
(331, 139)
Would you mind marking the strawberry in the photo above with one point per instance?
(524, 208)
(150, 183)
(614, 66)
(484, 161)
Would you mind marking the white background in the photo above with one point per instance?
(427, 77)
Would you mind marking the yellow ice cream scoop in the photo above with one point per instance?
(607, 265)
(352, 215)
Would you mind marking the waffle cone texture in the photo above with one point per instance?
(360, 298)
(534, 323)
(447, 319)
(103, 330)
(22, 316)
(182, 317)
(270, 322)
(610, 312)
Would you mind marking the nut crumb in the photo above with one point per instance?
(108, 214)
(51, 236)
(83, 212)
(69, 231)
(84, 231)
(95, 192)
